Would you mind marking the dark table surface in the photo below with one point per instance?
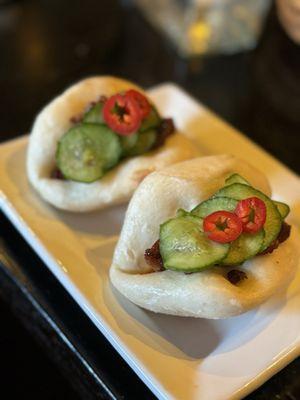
(49, 348)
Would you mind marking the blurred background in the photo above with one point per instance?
(233, 55)
(241, 58)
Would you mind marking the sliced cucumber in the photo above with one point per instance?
(94, 115)
(184, 246)
(87, 151)
(244, 247)
(272, 226)
(215, 204)
(144, 143)
(182, 213)
(235, 178)
(128, 142)
(151, 121)
(283, 208)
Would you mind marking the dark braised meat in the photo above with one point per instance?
(282, 237)
(153, 257)
(77, 119)
(56, 174)
(236, 275)
(165, 129)
(102, 99)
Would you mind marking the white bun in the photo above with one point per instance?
(206, 294)
(118, 185)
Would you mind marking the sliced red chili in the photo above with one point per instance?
(141, 100)
(252, 212)
(222, 226)
(121, 114)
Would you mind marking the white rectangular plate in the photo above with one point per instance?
(178, 358)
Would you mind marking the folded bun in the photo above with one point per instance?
(206, 294)
(117, 185)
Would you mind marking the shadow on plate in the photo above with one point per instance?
(106, 222)
(186, 337)
(100, 257)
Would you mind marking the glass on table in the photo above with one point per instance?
(199, 27)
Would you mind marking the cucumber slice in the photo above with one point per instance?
(184, 246)
(272, 226)
(87, 151)
(128, 143)
(235, 178)
(244, 247)
(94, 115)
(215, 204)
(151, 121)
(283, 208)
(144, 143)
(182, 213)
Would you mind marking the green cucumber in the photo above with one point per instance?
(184, 247)
(283, 208)
(272, 226)
(247, 245)
(244, 247)
(87, 151)
(235, 178)
(215, 204)
(182, 213)
(151, 121)
(128, 142)
(144, 143)
(94, 115)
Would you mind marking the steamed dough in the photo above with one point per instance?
(117, 185)
(205, 294)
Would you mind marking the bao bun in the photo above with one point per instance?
(117, 185)
(206, 294)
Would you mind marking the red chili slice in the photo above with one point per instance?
(252, 212)
(141, 100)
(222, 226)
(122, 115)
